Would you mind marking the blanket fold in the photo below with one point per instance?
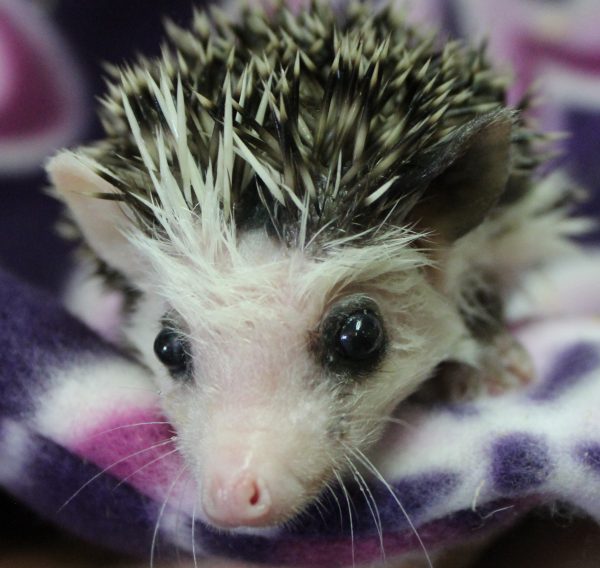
(83, 443)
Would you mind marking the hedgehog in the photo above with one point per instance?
(311, 217)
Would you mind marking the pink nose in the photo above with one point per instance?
(236, 501)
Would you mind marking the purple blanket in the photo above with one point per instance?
(81, 441)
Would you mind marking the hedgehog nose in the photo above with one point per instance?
(237, 501)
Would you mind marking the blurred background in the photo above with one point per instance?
(52, 51)
(51, 57)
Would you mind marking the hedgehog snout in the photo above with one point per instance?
(237, 492)
(237, 499)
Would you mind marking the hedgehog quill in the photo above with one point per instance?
(311, 216)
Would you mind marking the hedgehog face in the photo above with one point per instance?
(281, 371)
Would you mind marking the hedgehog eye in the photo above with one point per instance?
(172, 351)
(360, 336)
(353, 337)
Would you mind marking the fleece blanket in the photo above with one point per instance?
(90, 451)
(83, 443)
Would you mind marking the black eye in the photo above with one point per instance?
(351, 339)
(172, 351)
(360, 337)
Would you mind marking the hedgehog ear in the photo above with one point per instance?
(460, 197)
(102, 221)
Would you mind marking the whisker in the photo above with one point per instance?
(378, 419)
(369, 465)
(495, 511)
(114, 464)
(127, 426)
(371, 503)
(160, 515)
(170, 452)
(319, 507)
(345, 491)
(337, 501)
(397, 421)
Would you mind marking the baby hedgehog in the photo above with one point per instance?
(310, 216)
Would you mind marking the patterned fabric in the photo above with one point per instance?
(83, 444)
(69, 444)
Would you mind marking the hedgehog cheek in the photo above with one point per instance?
(103, 222)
